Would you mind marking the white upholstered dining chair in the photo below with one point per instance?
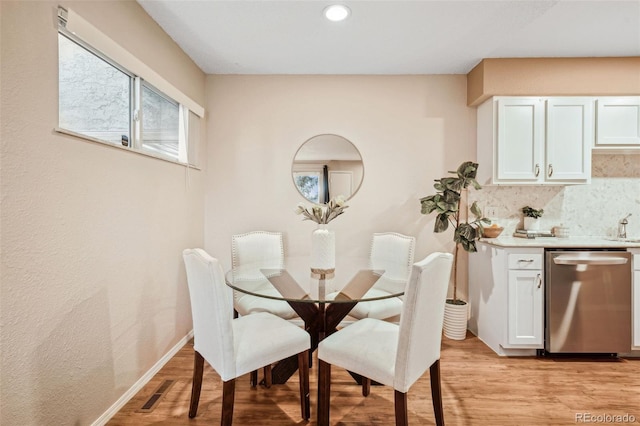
(391, 354)
(234, 347)
(393, 253)
(251, 252)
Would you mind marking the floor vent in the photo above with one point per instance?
(155, 398)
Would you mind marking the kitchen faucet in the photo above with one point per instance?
(622, 227)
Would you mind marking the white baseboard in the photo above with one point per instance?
(106, 416)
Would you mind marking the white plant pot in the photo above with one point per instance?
(531, 223)
(455, 321)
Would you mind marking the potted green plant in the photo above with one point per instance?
(446, 204)
(531, 216)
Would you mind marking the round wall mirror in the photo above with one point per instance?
(327, 166)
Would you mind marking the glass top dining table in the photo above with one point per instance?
(297, 282)
(322, 299)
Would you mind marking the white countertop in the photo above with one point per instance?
(587, 242)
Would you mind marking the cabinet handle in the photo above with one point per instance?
(550, 170)
(539, 278)
(537, 170)
(525, 260)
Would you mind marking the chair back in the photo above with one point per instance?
(255, 250)
(393, 253)
(211, 310)
(420, 333)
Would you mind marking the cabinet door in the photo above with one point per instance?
(635, 309)
(569, 139)
(525, 308)
(520, 139)
(618, 121)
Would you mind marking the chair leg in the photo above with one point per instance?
(436, 392)
(228, 395)
(267, 376)
(324, 389)
(303, 373)
(366, 386)
(196, 385)
(253, 378)
(402, 417)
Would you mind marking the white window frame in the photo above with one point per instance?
(144, 75)
(138, 115)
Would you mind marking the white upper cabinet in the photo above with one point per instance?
(618, 122)
(533, 140)
(520, 139)
(569, 139)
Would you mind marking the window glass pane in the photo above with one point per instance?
(160, 123)
(309, 185)
(94, 96)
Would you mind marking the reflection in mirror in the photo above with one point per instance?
(327, 166)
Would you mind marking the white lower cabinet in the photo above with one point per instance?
(635, 293)
(506, 296)
(525, 301)
(636, 308)
(525, 308)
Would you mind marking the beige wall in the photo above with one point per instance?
(93, 289)
(553, 77)
(410, 130)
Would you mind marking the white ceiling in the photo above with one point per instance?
(393, 36)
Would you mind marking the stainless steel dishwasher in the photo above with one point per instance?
(588, 301)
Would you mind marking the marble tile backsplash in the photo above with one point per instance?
(587, 210)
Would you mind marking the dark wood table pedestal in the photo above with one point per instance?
(320, 320)
(321, 316)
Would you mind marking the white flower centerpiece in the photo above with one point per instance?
(323, 240)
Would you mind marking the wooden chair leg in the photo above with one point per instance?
(253, 378)
(228, 395)
(196, 385)
(436, 392)
(324, 390)
(303, 374)
(366, 386)
(267, 376)
(402, 416)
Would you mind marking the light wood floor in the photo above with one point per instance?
(478, 388)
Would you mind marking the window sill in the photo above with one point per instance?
(122, 148)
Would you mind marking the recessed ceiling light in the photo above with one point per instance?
(337, 12)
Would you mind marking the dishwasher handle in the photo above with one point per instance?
(589, 260)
